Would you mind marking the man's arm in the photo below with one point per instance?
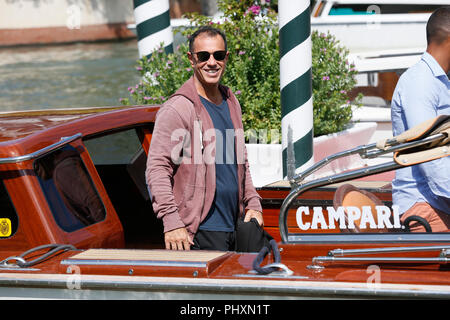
(417, 101)
(252, 200)
(163, 153)
(254, 214)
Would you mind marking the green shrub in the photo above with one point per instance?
(332, 79)
(253, 69)
(162, 74)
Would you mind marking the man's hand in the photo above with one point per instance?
(178, 239)
(254, 214)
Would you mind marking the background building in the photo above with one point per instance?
(24, 22)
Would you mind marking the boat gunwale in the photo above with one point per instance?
(226, 285)
(107, 124)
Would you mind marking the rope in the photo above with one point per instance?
(262, 254)
(21, 261)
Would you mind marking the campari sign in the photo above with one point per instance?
(365, 218)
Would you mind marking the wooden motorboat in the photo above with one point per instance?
(76, 222)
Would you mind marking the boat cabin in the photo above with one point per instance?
(77, 177)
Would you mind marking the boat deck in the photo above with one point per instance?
(100, 273)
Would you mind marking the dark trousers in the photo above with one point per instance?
(214, 240)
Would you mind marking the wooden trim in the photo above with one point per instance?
(148, 255)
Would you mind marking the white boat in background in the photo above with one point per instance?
(375, 24)
(384, 38)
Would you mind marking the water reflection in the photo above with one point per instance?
(67, 76)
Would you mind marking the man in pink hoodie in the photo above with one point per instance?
(197, 168)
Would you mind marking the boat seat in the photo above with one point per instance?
(439, 124)
(147, 262)
(427, 152)
(348, 195)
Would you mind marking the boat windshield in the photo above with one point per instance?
(360, 210)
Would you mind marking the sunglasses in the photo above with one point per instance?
(203, 56)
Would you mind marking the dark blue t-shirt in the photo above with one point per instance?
(224, 210)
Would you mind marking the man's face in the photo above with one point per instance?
(208, 72)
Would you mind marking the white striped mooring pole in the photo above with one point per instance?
(296, 85)
(153, 26)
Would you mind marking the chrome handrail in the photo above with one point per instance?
(298, 186)
(346, 252)
(43, 151)
(317, 261)
(337, 256)
(365, 152)
(363, 172)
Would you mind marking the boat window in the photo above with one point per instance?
(114, 148)
(120, 161)
(9, 222)
(357, 9)
(117, 152)
(69, 190)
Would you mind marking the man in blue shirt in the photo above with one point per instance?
(422, 93)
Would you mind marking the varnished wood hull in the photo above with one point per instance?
(139, 274)
(158, 288)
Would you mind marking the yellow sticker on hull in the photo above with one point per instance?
(5, 227)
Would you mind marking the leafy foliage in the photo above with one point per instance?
(253, 69)
(332, 79)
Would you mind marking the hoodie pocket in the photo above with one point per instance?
(192, 206)
(194, 197)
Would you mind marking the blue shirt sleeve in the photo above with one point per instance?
(416, 99)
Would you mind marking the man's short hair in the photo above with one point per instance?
(210, 31)
(438, 26)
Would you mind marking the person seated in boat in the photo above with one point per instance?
(197, 169)
(64, 168)
(422, 93)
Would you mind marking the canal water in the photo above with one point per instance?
(67, 76)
